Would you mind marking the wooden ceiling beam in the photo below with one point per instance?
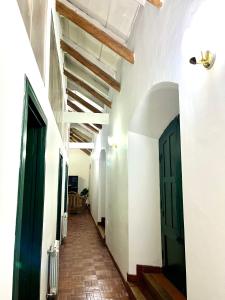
(88, 152)
(83, 102)
(78, 109)
(91, 128)
(71, 137)
(79, 18)
(74, 139)
(72, 130)
(81, 135)
(156, 3)
(90, 65)
(77, 134)
(106, 68)
(81, 139)
(74, 106)
(88, 88)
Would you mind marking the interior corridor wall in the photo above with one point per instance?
(16, 61)
(151, 117)
(144, 202)
(163, 41)
(102, 184)
(95, 180)
(79, 165)
(116, 210)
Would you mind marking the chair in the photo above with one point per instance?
(76, 203)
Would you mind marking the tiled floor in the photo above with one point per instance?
(86, 268)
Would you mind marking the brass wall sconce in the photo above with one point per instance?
(112, 142)
(207, 60)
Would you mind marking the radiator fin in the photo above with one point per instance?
(53, 269)
(64, 225)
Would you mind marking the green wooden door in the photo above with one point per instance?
(28, 242)
(66, 189)
(172, 224)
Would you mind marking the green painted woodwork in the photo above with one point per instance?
(172, 224)
(66, 189)
(59, 206)
(29, 223)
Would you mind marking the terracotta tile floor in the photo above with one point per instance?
(86, 268)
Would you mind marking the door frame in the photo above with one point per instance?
(29, 99)
(179, 192)
(59, 198)
(66, 188)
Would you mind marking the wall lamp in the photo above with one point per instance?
(207, 60)
(112, 142)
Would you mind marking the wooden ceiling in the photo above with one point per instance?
(80, 56)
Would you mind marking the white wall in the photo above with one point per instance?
(153, 114)
(156, 110)
(79, 165)
(202, 106)
(16, 60)
(94, 191)
(162, 51)
(144, 202)
(116, 198)
(102, 184)
(95, 181)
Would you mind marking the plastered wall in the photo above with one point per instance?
(144, 202)
(163, 41)
(79, 165)
(34, 15)
(17, 60)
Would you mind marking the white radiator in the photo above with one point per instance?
(53, 270)
(64, 225)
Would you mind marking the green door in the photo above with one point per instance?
(59, 206)
(66, 190)
(28, 241)
(172, 224)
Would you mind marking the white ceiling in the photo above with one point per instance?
(91, 45)
(116, 15)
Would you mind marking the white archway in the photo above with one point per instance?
(158, 109)
(155, 112)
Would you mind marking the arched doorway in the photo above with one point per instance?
(171, 198)
(150, 120)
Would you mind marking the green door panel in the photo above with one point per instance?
(29, 223)
(66, 189)
(172, 224)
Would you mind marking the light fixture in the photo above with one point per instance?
(207, 59)
(112, 142)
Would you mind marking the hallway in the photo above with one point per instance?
(86, 268)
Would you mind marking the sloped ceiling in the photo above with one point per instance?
(118, 16)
